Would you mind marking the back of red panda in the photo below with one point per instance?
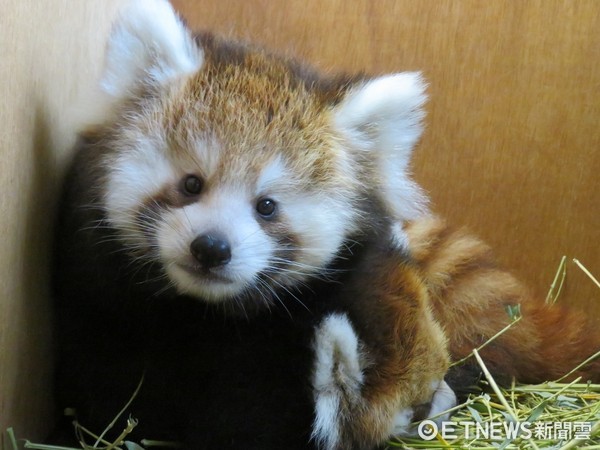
(470, 295)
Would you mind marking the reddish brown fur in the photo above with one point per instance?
(405, 349)
(469, 294)
(255, 106)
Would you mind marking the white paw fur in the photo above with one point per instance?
(337, 372)
(443, 399)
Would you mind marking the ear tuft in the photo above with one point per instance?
(150, 44)
(385, 112)
(383, 117)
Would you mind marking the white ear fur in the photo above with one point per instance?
(384, 116)
(148, 43)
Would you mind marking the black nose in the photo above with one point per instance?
(211, 250)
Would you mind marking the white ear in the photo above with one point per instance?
(150, 44)
(384, 117)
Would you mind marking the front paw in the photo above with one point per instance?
(337, 379)
(354, 413)
(443, 399)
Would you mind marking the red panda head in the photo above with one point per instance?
(240, 171)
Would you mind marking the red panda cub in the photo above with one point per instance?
(229, 233)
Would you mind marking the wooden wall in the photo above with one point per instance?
(512, 148)
(51, 51)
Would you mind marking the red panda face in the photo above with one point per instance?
(233, 180)
(239, 172)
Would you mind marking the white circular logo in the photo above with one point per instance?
(427, 430)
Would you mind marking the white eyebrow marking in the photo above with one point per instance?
(207, 151)
(274, 172)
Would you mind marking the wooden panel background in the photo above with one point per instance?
(51, 53)
(512, 147)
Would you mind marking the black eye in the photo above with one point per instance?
(266, 208)
(191, 185)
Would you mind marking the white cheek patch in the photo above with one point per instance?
(322, 224)
(319, 220)
(230, 215)
(138, 174)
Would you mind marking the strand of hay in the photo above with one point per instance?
(561, 273)
(587, 272)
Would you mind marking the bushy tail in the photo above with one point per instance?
(470, 296)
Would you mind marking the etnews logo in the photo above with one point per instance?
(428, 430)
